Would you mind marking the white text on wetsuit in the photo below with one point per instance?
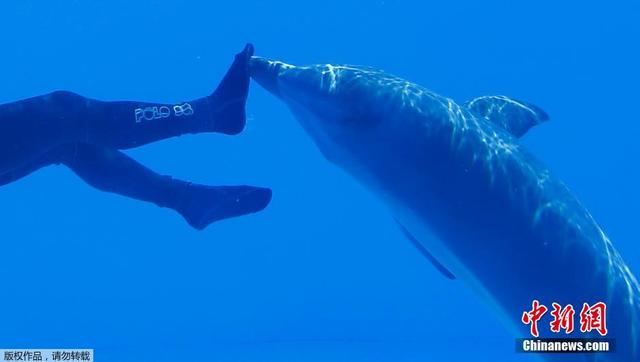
(158, 112)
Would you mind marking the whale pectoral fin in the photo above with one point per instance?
(513, 115)
(426, 253)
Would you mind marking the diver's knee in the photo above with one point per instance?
(64, 99)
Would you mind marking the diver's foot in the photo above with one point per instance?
(206, 204)
(229, 99)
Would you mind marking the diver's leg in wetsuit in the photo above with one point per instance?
(125, 125)
(41, 131)
(113, 171)
(31, 127)
(20, 172)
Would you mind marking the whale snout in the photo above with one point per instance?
(266, 72)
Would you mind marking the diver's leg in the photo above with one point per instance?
(130, 124)
(23, 171)
(113, 171)
(31, 127)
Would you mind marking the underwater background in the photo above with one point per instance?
(323, 274)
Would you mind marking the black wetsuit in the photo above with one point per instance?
(87, 135)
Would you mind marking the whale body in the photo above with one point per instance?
(478, 205)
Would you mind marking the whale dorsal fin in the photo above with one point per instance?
(426, 253)
(513, 115)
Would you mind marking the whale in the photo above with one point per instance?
(463, 189)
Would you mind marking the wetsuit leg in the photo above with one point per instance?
(31, 127)
(112, 171)
(84, 135)
(20, 172)
(130, 124)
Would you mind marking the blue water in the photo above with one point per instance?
(324, 273)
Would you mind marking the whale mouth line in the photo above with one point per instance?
(266, 72)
